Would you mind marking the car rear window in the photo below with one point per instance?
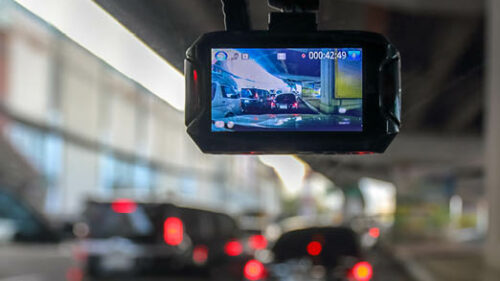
(286, 98)
(105, 223)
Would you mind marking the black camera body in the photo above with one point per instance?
(381, 95)
(310, 91)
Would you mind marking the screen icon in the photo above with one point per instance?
(221, 56)
(244, 56)
(281, 56)
(236, 56)
(354, 55)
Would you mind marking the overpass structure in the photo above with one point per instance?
(451, 121)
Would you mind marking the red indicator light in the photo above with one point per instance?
(362, 271)
(233, 248)
(363, 153)
(254, 270)
(257, 242)
(374, 232)
(314, 248)
(123, 206)
(173, 231)
(200, 254)
(195, 75)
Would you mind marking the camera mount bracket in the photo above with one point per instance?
(295, 15)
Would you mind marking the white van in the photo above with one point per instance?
(225, 100)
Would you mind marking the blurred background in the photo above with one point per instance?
(98, 179)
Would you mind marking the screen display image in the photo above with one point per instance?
(306, 89)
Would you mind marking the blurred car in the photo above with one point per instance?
(21, 223)
(219, 246)
(254, 100)
(28, 241)
(125, 237)
(286, 101)
(128, 237)
(319, 253)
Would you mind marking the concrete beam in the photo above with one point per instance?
(464, 7)
(453, 41)
(459, 155)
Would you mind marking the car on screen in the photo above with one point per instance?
(286, 101)
(316, 253)
(225, 98)
(254, 100)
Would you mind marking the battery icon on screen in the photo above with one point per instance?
(354, 55)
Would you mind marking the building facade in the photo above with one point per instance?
(90, 132)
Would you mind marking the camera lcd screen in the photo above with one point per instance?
(287, 89)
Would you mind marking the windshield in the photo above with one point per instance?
(99, 179)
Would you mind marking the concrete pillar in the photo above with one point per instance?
(328, 68)
(492, 134)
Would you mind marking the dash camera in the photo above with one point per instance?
(292, 89)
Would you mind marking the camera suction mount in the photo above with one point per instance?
(295, 15)
(294, 5)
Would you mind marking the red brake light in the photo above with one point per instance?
(123, 206)
(200, 254)
(374, 232)
(257, 242)
(314, 248)
(362, 271)
(173, 231)
(233, 248)
(74, 274)
(254, 270)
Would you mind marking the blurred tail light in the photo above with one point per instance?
(123, 206)
(74, 274)
(254, 270)
(233, 248)
(362, 271)
(200, 254)
(173, 231)
(314, 248)
(257, 242)
(374, 232)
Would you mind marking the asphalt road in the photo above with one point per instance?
(54, 263)
(385, 268)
